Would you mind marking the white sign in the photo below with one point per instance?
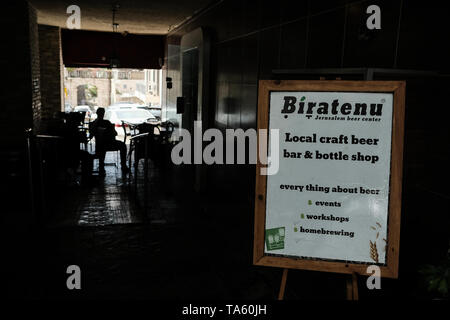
(329, 199)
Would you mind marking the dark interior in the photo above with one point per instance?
(186, 231)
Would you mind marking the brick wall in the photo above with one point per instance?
(19, 60)
(51, 70)
(35, 69)
(20, 108)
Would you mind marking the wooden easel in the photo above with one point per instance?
(283, 284)
(352, 270)
(352, 286)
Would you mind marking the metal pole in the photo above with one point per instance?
(136, 164)
(41, 171)
(30, 173)
(145, 173)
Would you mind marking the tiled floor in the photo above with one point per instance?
(170, 249)
(179, 246)
(109, 202)
(105, 201)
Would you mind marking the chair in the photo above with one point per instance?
(152, 142)
(101, 145)
(83, 137)
(168, 128)
(75, 121)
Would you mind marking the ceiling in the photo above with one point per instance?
(133, 16)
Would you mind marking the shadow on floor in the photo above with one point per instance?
(180, 246)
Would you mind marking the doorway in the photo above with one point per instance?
(195, 82)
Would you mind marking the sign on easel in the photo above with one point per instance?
(334, 204)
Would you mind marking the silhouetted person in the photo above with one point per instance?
(105, 140)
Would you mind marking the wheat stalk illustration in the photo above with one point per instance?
(373, 251)
(373, 245)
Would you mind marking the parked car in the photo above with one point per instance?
(133, 115)
(156, 111)
(82, 108)
(67, 107)
(123, 105)
(89, 114)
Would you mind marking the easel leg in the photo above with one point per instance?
(352, 287)
(283, 284)
(355, 286)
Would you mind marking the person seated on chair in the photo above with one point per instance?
(105, 140)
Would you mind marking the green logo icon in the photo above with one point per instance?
(309, 202)
(275, 238)
(302, 216)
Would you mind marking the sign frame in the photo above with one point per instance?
(397, 88)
